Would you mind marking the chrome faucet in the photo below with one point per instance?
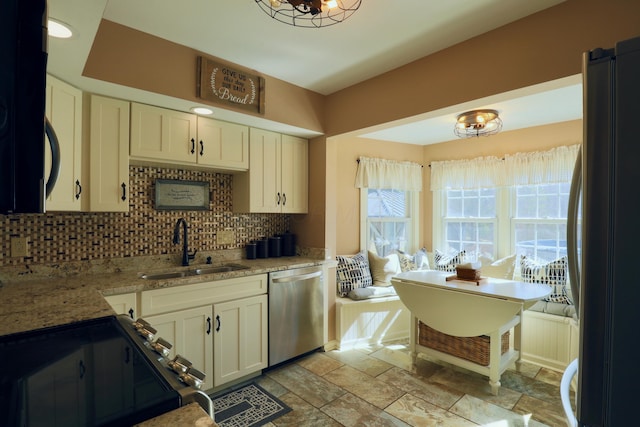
(186, 256)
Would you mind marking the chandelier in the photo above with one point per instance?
(478, 123)
(309, 13)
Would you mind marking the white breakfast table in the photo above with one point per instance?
(464, 309)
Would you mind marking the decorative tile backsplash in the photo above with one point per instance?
(69, 236)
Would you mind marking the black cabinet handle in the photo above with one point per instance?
(131, 313)
(193, 145)
(278, 199)
(284, 199)
(208, 325)
(201, 148)
(82, 369)
(124, 192)
(218, 320)
(78, 189)
(127, 355)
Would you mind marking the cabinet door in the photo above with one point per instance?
(109, 155)
(295, 174)
(223, 145)
(264, 171)
(161, 134)
(123, 304)
(240, 338)
(64, 110)
(190, 333)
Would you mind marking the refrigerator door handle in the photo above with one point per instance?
(572, 230)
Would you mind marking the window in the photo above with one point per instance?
(389, 202)
(470, 221)
(518, 212)
(388, 223)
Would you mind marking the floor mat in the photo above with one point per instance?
(248, 406)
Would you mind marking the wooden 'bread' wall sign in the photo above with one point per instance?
(221, 83)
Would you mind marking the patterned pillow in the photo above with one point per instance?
(553, 274)
(448, 263)
(352, 273)
(417, 261)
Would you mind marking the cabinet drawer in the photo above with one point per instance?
(199, 294)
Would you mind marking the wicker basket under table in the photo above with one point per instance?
(473, 349)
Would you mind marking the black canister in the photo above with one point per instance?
(251, 250)
(288, 244)
(274, 246)
(262, 248)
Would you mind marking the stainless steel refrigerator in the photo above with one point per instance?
(607, 259)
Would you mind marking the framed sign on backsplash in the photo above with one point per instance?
(182, 195)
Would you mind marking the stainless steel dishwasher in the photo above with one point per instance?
(296, 313)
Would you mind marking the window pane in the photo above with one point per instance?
(386, 203)
(388, 220)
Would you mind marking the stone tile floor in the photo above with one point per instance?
(379, 387)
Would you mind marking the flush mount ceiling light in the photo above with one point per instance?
(309, 13)
(59, 29)
(478, 123)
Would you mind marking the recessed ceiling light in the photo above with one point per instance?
(59, 29)
(202, 110)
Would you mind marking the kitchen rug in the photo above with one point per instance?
(248, 406)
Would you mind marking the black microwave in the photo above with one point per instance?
(23, 68)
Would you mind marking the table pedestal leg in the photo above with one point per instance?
(412, 340)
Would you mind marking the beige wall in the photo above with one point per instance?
(539, 48)
(132, 58)
(344, 166)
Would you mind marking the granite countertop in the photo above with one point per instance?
(39, 297)
(45, 296)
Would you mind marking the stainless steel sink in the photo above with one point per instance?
(168, 275)
(194, 272)
(220, 268)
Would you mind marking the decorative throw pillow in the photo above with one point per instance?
(352, 273)
(448, 263)
(382, 269)
(502, 268)
(553, 273)
(417, 261)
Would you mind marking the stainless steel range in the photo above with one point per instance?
(110, 371)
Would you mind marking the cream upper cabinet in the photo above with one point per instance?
(240, 338)
(168, 137)
(107, 155)
(63, 108)
(295, 174)
(277, 179)
(161, 134)
(222, 144)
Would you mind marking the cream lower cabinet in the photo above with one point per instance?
(239, 341)
(124, 304)
(221, 326)
(190, 333)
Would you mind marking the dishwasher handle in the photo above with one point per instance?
(297, 278)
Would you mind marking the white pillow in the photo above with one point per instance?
(501, 269)
(553, 273)
(383, 269)
(417, 261)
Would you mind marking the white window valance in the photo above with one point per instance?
(388, 174)
(482, 172)
(544, 167)
(555, 165)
